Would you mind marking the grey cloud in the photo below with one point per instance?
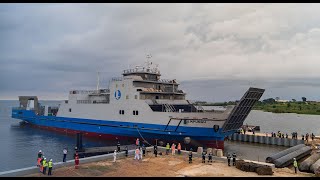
(51, 49)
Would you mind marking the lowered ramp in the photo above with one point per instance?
(242, 109)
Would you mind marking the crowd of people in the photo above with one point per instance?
(42, 163)
(294, 135)
(140, 152)
(279, 134)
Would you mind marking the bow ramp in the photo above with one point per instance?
(242, 109)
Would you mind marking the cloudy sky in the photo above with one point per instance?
(216, 51)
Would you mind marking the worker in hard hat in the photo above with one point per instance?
(41, 167)
(39, 158)
(44, 164)
(50, 168)
(295, 165)
(229, 158)
(167, 148)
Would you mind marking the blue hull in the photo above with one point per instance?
(206, 136)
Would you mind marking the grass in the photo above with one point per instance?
(290, 107)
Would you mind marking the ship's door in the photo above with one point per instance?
(242, 109)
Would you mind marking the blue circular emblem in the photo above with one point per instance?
(117, 94)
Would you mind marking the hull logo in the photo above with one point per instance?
(117, 94)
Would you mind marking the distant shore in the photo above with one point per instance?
(291, 107)
(312, 108)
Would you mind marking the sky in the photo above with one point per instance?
(215, 51)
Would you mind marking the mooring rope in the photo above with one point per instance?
(143, 138)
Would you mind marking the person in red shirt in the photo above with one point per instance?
(76, 161)
(179, 148)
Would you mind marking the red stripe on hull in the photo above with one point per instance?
(208, 144)
(85, 133)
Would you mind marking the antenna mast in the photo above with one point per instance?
(98, 82)
(148, 60)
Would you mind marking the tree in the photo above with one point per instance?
(269, 101)
(294, 100)
(304, 99)
(277, 98)
(288, 105)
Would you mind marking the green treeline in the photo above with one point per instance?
(272, 105)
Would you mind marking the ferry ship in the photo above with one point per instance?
(139, 104)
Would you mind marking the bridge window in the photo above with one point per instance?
(69, 109)
(121, 111)
(135, 113)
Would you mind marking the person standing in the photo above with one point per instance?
(286, 135)
(76, 161)
(203, 157)
(210, 157)
(115, 156)
(307, 137)
(190, 157)
(44, 164)
(136, 154)
(50, 168)
(126, 149)
(39, 158)
(173, 149)
(229, 159)
(155, 150)
(295, 165)
(234, 158)
(137, 142)
(167, 148)
(41, 164)
(179, 148)
(144, 149)
(65, 151)
(118, 146)
(141, 152)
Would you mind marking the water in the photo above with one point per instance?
(284, 122)
(21, 143)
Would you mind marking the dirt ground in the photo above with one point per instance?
(161, 166)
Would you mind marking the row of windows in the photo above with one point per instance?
(120, 112)
(134, 112)
(117, 85)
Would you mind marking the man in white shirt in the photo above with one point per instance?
(65, 151)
